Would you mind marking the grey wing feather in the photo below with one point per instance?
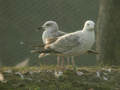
(66, 43)
(54, 36)
(60, 33)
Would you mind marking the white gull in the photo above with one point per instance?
(50, 34)
(75, 43)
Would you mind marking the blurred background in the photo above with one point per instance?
(19, 20)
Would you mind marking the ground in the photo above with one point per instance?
(46, 78)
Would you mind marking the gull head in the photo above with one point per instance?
(49, 25)
(89, 25)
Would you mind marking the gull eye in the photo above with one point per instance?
(88, 24)
(48, 24)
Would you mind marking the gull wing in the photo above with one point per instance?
(66, 42)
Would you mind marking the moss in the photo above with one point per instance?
(43, 78)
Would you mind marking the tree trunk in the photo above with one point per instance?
(108, 32)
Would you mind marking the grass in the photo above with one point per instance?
(43, 78)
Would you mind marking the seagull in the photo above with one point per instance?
(50, 34)
(73, 44)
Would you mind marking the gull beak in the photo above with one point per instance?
(40, 28)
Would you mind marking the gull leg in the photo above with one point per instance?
(73, 62)
(62, 64)
(68, 60)
(58, 61)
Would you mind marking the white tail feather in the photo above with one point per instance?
(43, 55)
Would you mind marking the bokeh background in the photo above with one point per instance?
(20, 18)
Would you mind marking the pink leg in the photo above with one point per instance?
(58, 60)
(73, 62)
(62, 64)
(68, 60)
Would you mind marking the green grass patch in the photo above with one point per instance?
(43, 78)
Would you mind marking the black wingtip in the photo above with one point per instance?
(45, 51)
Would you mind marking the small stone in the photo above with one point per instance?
(109, 70)
(21, 75)
(58, 74)
(79, 73)
(98, 74)
(1, 77)
(105, 78)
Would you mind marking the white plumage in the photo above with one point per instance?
(51, 31)
(75, 43)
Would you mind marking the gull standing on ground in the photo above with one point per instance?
(73, 44)
(50, 34)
